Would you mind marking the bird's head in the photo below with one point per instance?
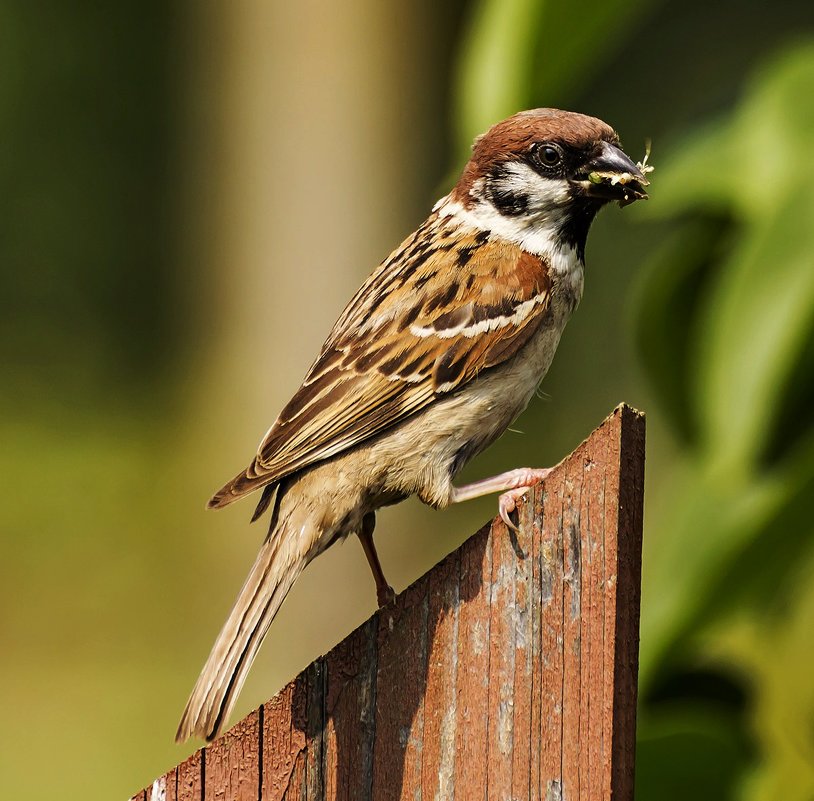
(538, 178)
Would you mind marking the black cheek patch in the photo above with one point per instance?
(509, 204)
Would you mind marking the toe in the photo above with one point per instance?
(385, 595)
(506, 505)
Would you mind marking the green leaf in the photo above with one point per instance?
(515, 52)
(703, 528)
(670, 289)
(689, 752)
(757, 324)
(583, 41)
(776, 654)
(697, 175)
(766, 576)
(736, 518)
(495, 68)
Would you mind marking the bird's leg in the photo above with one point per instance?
(384, 592)
(513, 484)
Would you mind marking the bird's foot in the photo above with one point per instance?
(507, 503)
(525, 478)
(385, 594)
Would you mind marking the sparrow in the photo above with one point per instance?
(440, 349)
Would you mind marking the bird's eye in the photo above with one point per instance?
(549, 155)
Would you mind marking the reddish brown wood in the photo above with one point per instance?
(232, 767)
(524, 599)
(472, 670)
(189, 778)
(315, 705)
(350, 705)
(283, 746)
(400, 683)
(508, 671)
(551, 734)
(164, 788)
(438, 756)
(628, 482)
(502, 613)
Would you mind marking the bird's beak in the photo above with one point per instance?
(612, 175)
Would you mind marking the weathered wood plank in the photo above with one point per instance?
(471, 688)
(400, 684)
(628, 482)
(573, 699)
(595, 548)
(189, 778)
(232, 765)
(315, 711)
(508, 671)
(500, 677)
(284, 742)
(163, 788)
(552, 644)
(350, 705)
(440, 696)
(525, 601)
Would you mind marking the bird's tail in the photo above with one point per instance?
(274, 572)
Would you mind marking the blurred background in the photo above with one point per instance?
(191, 191)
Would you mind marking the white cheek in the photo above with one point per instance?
(547, 196)
(537, 229)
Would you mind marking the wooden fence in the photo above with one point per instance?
(507, 672)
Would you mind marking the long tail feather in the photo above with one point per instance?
(274, 572)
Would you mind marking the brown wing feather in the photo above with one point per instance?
(444, 307)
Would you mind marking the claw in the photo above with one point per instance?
(508, 521)
(507, 503)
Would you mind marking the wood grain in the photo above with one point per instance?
(283, 747)
(507, 672)
(232, 763)
(190, 777)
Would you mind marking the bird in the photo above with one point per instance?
(440, 349)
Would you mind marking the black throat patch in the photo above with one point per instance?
(574, 230)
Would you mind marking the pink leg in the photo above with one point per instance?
(515, 481)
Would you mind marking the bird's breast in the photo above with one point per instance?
(424, 453)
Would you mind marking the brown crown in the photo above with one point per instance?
(510, 139)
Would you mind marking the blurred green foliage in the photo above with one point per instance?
(723, 323)
(702, 303)
(85, 121)
(518, 50)
(728, 307)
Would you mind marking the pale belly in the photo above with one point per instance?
(424, 454)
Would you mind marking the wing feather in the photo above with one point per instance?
(444, 307)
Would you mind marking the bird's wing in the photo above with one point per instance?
(440, 310)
